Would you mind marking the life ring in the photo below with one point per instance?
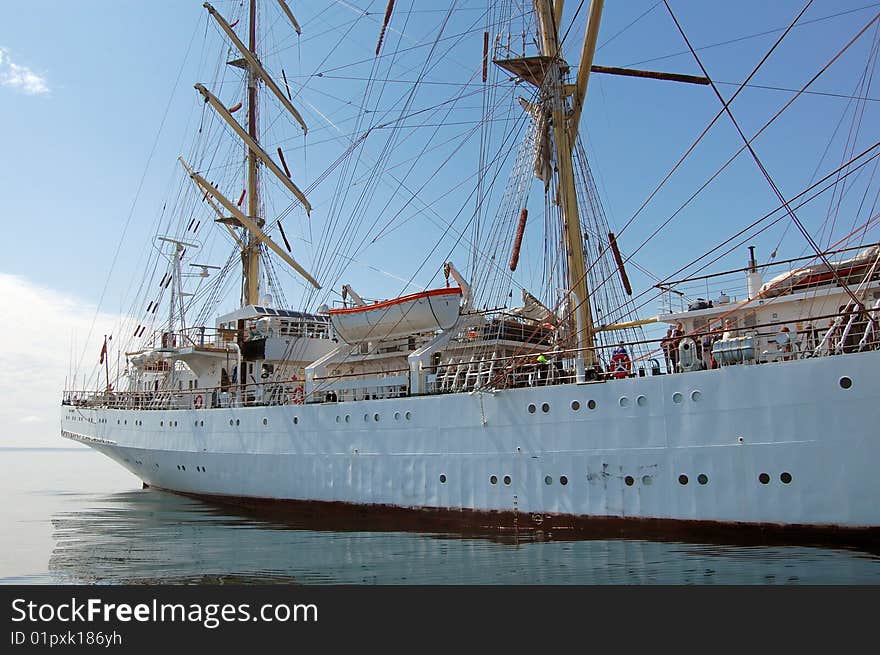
(621, 364)
(198, 401)
(298, 396)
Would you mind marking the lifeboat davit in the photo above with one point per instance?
(435, 309)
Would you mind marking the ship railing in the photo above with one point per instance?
(195, 337)
(847, 332)
(358, 386)
(231, 395)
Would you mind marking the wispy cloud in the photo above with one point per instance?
(20, 78)
(37, 354)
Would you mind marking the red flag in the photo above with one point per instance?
(103, 351)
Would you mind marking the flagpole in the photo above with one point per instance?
(106, 363)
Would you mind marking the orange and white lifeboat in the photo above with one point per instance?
(435, 309)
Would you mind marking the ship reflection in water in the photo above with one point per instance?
(149, 536)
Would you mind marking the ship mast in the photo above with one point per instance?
(252, 222)
(250, 256)
(565, 126)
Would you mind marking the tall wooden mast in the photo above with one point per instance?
(250, 256)
(251, 220)
(564, 134)
(548, 72)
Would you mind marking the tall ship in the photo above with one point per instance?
(520, 383)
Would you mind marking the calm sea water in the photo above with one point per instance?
(69, 515)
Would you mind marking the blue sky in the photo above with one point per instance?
(85, 87)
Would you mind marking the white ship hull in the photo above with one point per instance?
(622, 460)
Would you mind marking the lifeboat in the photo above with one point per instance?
(435, 309)
(801, 279)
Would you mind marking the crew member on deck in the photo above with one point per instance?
(543, 368)
(729, 330)
(677, 335)
(666, 345)
(783, 340)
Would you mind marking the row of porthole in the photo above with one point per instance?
(182, 467)
(376, 417)
(641, 401)
(784, 478)
(623, 401)
(703, 479)
(171, 424)
(764, 478)
(493, 479)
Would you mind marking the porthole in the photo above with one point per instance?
(532, 408)
(548, 480)
(493, 479)
(266, 421)
(563, 480)
(366, 418)
(295, 420)
(231, 422)
(376, 417)
(845, 382)
(507, 480)
(696, 395)
(677, 398)
(237, 422)
(623, 401)
(183, 467)
(647, 480)
(641, 401)
(396, 416)
(338, 419)
(407, 416)
(125, 422)
(591, 404)
(195, 423)
(785, 478)
(702, 478)
(545, 407)
(442, 478)
(629, 480)
(575, 405)
(161, 424)
(682, 479)
(117, 421)
(348, 418)
(201, 424)
(764, 478)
